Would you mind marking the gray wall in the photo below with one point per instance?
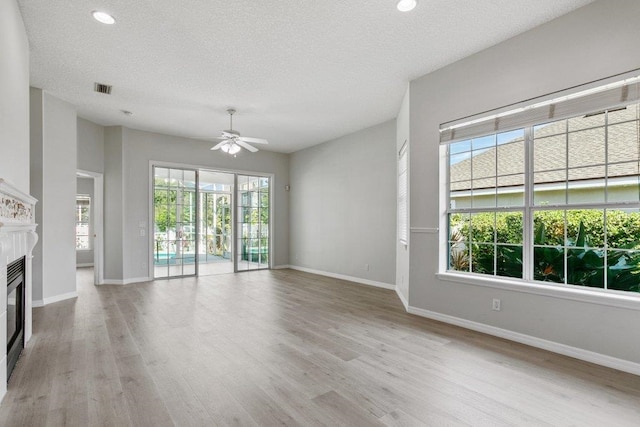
(53, 182)
(90, 146)
(113, 204)
(36, 184)
(591, 43)
(128, 154)
(14, 99)
(343, 205)
(84, 186)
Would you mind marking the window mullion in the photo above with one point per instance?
(495, 215)
(527, 220)
(606, 200)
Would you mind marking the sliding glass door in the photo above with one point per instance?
(175, 213)
(215, 237)
(253, 222)
(193, 216)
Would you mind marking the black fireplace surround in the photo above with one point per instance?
(15, 312)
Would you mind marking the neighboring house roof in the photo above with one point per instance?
(585, 138)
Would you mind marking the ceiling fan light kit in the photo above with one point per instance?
(230, 147)
(232, 142)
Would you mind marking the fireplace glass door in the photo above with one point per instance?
(15, 313)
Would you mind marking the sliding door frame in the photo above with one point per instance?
(237, 198)
(194, 223)
(198, 168)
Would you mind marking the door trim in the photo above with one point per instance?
(98, 225)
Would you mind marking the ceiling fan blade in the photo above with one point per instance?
(204, 138)
(253, 140)
(220, 144)
(246, 146)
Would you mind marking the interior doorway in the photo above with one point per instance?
(89, 222)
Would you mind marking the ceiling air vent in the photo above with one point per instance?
(102, 88)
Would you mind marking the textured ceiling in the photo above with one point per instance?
(299, 72)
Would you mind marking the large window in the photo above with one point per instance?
(83, 206)
(554, 201)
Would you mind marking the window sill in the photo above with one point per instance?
(568, 292)
(84, 250)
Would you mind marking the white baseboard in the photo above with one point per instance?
(344, 277)
(85, 264)
(403, 299)
(55, 298)
(126, 281)
(111, 282)
(566, 350)
(280, 267)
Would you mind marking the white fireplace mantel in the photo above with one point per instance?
(17, 239)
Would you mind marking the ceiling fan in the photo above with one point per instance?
(232, 142)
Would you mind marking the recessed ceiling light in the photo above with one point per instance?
(103, 17)
(406, 5)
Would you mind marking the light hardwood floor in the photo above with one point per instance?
(289, 348)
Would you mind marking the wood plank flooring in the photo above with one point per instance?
(289, 348)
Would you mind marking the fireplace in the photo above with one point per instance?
(15, 312)
(17, 239)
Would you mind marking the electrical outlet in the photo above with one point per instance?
(496, 305)
(366, 267)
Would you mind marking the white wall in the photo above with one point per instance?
(128, 154)
(593, 42)
(343, 205)
(14, 141)
(84, 186)
(53, 182)
(14, 97)
(402, 251)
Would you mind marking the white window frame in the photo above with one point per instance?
(527, 284)
(88, 223)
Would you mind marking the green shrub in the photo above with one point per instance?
(585, 237)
